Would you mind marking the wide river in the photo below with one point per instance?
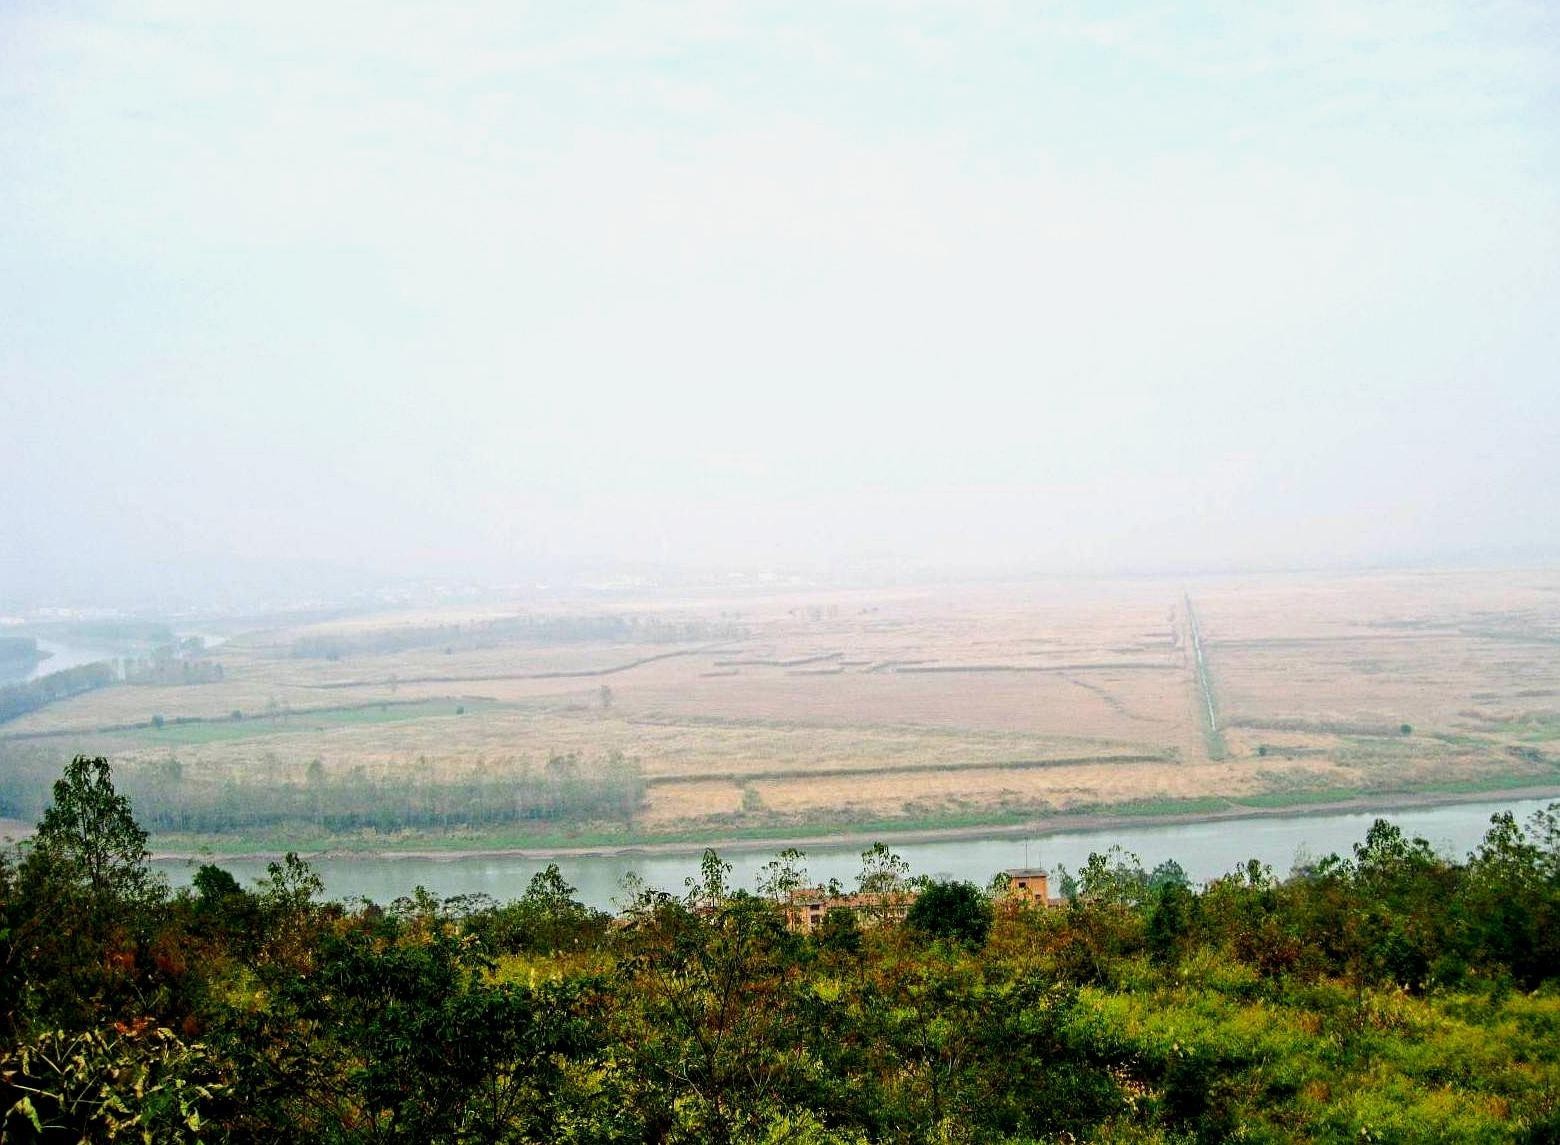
(1204, 850)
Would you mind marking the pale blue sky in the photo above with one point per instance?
(1062, 287)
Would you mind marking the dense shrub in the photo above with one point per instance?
(1373, 997)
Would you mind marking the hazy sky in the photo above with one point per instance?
(1064, 287)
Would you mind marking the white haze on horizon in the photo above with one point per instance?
(385, 289)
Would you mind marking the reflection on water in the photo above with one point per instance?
(1205, 850)
(68, 656)
(60, 657)
(63, 656)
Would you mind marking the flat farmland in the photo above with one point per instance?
(805, 710)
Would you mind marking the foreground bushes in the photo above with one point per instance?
(1390, 995)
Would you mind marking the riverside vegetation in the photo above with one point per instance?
(1389, 995)
(712, 714)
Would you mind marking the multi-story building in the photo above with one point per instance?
(806, 908)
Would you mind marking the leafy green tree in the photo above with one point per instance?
(13, 964)
(89, 838)
(1114, 878)
(1170, 922)
(1400, 884)
(399, 1036)
(713, 886)
(1509, 898)
(882, 871)
(288, 912)
(954, 911)
(1166, 873)
(714, 978)
(85, 904)
(221, 921)
(783, 876)
(547, 918)
(839, 932)
(881, 882)
(214, 886)
(1104, 919)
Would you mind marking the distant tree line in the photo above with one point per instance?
(563, 791)
(26, 771)
(566, 790)
(19, 699)
(165, 672)
(511, 630)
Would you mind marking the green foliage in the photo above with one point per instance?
(783, 876)
(1387, 995)
(88, 838)
(1510, 897)
(214, 885)
(166, 669)
(82, 904)
(564, 790)
(405, 1040)
(882, 871)
(716, 982)
(135, 1082)
(546, 920)
(1115, 878)
(881, 882)
(21, 650)
(1170, 922)
(953, 911)
(839, 932)
(1168, 873)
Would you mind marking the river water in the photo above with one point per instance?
(67, 656)
(60, 657)
(63, 656)
(1204, 850)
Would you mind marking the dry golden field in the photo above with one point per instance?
(949, 704)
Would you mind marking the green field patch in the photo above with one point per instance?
(177, 732)
(1502, 782)
(1197, 805)
(1536, 727)
(1299, 798)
